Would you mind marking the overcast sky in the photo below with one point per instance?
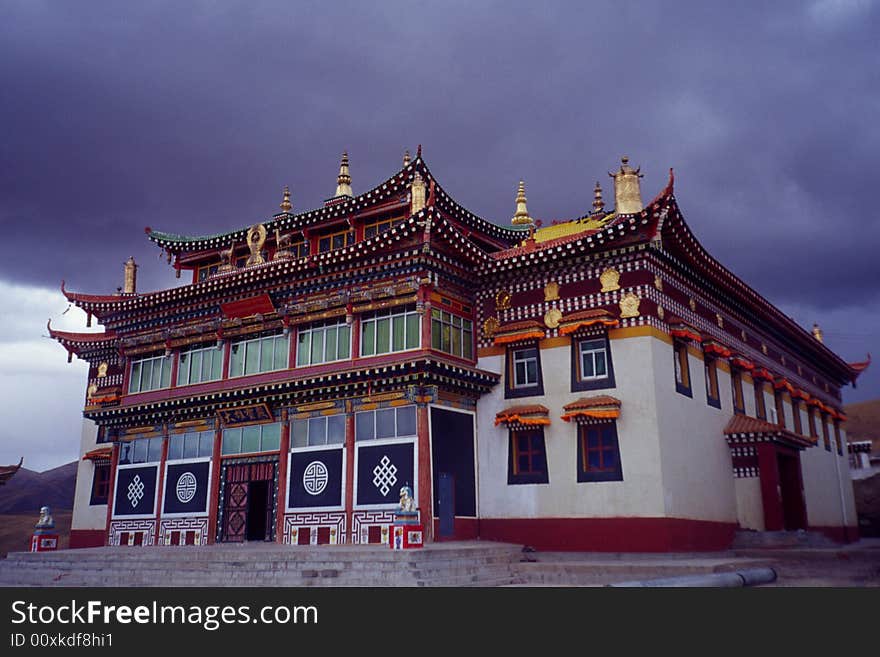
(190, 117)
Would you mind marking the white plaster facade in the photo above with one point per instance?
(86, 515)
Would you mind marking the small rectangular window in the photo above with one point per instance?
(527, 458)
(100, 484)
(390, 331)
(150, 374)
(251, 438)
(199, 365)
(737, 390)
(141, 450)
(760, 402)
(525, 368)
(682, 369)
(452, 334)
(713, 398)
(395, 422)
(264, 354)
(796, 415)
(598, 453)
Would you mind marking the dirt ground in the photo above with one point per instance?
(16, 530)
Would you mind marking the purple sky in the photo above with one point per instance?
(191, 117)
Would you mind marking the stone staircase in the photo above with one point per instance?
(747, 540)
(439, 564)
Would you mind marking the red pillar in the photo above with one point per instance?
(283, 464)
(215, 487)
(349, 472)
(426, 505)
(159, 484)
(175, 364)
(111, 491)
(768, 470)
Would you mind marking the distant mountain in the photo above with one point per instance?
(27, 491)
(863, 423)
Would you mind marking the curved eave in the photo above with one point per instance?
(384, 192)
(677, 233)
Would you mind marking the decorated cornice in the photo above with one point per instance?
(741, 430)
(520, 416)
(524, 330)
(574, 322)
(599, 407)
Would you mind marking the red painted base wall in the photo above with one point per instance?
(466, 529)
(839, 534)
(86, 538)
(610, 534)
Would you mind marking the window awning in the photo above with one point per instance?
(716, 348)
(528, 329)
(98, 454)
(600, 407)
(743, 429)
(797, 393)
(526, 416)
(779, 384)
(684, 331)
(762, 373)
(742, 363)
(574, 322)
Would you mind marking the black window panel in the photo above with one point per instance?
(598, 453)
(186, 488)
(100, 484)
(452, 451)
(527, 458)
(315, 479)
(135, 491)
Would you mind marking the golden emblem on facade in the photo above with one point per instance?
(660, 312)
(489, 327)
(91, 391)
(102, 369)
(551, 291)
(658, 283)
(609, 279)
(502, 300)
(720, 320)
(256, 237)
(629, 305)
(552, 318)
(693, 304)
(764, 348)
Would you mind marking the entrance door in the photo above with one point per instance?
(446, 502)
(248, 503)
(793, 512)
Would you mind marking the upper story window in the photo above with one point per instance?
(190, 445)
(591, 366)
(796, 415)
(252, 438)
(387, 331)
(334, 241)
(142, 450)
(323, 343)
(299, 249)
(315, 431)
(811, 420)
(150, 374)
(524, 377)
(780, 408)
(760, 402)
(713, 397)
(736, 384)
(826, 433)
(263, 354)
(198, 365)
(377, 227)
(399, 422)
(682, 369)
(206, 271)
(452, 334)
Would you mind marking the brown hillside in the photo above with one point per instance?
(16, 530)
(863, 423)
(27, 491)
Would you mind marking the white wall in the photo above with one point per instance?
(86, 516)
(640, 492)
(749, 505)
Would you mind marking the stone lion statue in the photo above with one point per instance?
(407, 504)
(46, 520)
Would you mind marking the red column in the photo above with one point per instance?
(159, 484)
(356, 337)
(291, 352)
(771, 497)
(426, 505)
(111, 491)
(175, 364)
(349, 472)
(283, 463)
(227, 352)
(215, 485)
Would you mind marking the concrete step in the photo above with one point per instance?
(746, 539)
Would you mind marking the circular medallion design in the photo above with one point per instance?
(552, 317)
(315, 478)
(186, 487)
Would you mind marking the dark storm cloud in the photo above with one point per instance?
(190, 117)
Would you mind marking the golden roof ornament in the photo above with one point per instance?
(256, 237)
(610, 279)
(417, 194)
(629, 305)
(627, 192)
(817, 333)
(406, 158)
(521, 217)
(130, 281)
(286, 205)
(598, 201)
(343, 180)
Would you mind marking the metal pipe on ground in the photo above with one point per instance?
(738, 578)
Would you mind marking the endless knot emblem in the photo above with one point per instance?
(186, 487)
(315, 478)
(384, 475)
(135, 491)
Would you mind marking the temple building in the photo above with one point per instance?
(601, 383)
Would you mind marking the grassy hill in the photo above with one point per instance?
(27, 491)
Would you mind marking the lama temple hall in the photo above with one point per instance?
(601, 383)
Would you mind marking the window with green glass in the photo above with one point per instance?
(198, 365)
(323, 343)
(190, 445)
(251, 438)
(452, 334)
(390, 330)
(395, 422)
(264, 354)
(141, 450)
(315, 431)
(150, 374)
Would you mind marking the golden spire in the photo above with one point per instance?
(129, 285)
(627, 192)
(406, 158)
(521, 217)
(598, 202)
(286, 206)
(817, 333)
(343, 180)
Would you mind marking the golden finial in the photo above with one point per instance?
(817, 333)
(406, 159)
(343, 180)
(627, 192)
(286, 206)
(598, 202)
(130, 281)
(417, 191)
(521, 217)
